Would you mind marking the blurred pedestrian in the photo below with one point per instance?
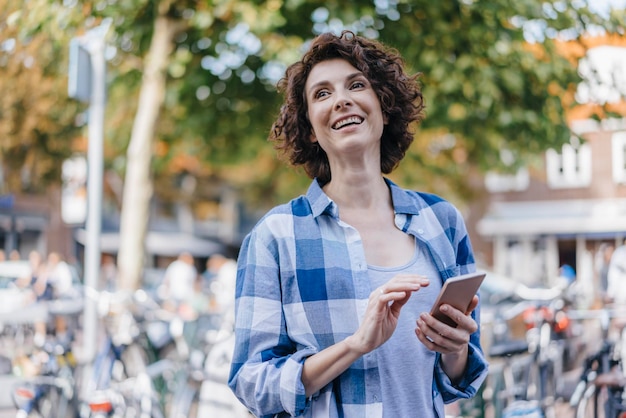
(199, 303)
(222, 273)
(616, 275)
(108, 273)
(59, 276)
(602, 262)
(42, 290)
(208, 275)
(334, 287)
(38, 279)
(179, 281)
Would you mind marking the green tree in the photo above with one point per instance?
(191, 87)
(488, 92)
(37, 126)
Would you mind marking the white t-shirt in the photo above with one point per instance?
(224, 285)
(405, 365)
(616, 276)
(180, 278)
(61, 279)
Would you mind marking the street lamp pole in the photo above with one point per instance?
(87, 83)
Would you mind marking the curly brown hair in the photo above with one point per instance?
(399, 94)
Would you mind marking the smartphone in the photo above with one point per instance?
(458, 292)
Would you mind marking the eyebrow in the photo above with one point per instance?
(324, 82)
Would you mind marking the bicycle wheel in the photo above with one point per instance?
(52, 403)
(531, 381)
(185, 402)
(500, 395)
(134, 359)
(541, 386)
(474, 407)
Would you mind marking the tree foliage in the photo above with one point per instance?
(495, 85)
(495, 97)
(37, 119)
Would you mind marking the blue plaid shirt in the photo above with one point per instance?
(303, 285)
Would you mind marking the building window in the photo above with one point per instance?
(571, 168)
(496, 182)
(619, 157)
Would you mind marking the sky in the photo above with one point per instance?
(604, 70)
(604, 67)
(601, 6)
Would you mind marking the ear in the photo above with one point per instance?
(313, 138)
(385, 118)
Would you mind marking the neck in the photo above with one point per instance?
(359, 191)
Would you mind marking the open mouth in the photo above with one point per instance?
(352, 120)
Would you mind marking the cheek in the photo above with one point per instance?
(316, 118)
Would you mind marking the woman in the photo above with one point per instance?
(333, 288)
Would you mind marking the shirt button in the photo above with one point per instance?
(420, 231)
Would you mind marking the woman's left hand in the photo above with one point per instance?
(437, 336)
(452, 343)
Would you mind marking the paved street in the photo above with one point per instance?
(6, 405)
(7, 412)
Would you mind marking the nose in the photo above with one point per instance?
(342, 100)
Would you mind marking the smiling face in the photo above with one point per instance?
(343, 109)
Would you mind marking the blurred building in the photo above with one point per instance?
(213, 222)
(572, 204)
(26, 223)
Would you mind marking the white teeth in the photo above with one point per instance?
(344, 122)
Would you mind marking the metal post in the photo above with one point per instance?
(93, 43)
(94, 193)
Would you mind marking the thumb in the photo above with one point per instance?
(397, 305)
(472, 305)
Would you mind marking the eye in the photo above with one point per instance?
(357, 85)
(321, 93)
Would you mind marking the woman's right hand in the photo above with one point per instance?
(379, 323)
(383, 310)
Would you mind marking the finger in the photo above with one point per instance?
(463, 321)
(473, 304)
(430, 325)
(402, 280)
(441, 333)
(433, 340)
(397, 304)
(399, 298)
(426, 341)
(441, 337)
(394, 290)
(399, 285)
(460, 318)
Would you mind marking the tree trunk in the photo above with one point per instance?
(138, 183)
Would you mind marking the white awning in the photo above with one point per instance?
(159, 243)
(582, 217)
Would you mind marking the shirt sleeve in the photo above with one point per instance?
(477, 366)
(474, 376)
(267, 366)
